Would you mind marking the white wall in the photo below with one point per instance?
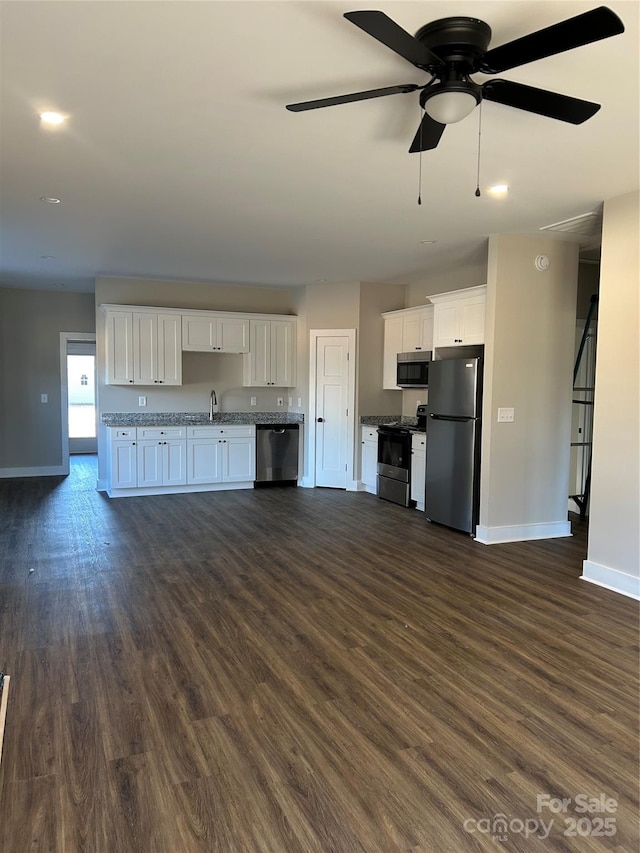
(528, 366)
(466, 273)
(613, 557)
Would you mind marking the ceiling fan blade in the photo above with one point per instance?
(600, 23)
(355, 96)
(540, 101)
(382, 28)
(428, 135)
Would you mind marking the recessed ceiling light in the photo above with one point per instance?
(499, 189)
(428, 242)
(49, 199)
(47, 257)
(52, 118)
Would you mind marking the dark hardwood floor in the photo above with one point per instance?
(302, 671)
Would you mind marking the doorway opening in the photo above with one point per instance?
(78, 394)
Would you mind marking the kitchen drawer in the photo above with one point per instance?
(162, 432)
(221, 431)
(122, 433)
(369, 433)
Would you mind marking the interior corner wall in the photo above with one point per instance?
(30, 326)
(588, 286)
(528, 366)
(613, 557)
(467, 272)
(375, 299)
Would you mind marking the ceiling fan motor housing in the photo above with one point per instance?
(456, 40)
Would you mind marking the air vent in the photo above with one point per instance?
(585, 225)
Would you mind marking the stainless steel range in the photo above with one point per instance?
(394, 458)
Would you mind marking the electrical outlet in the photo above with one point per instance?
(142, 401)
(44, 398)
(506, 416)
(291, 401)
(299, 402)
(280, 401)
(254, 401)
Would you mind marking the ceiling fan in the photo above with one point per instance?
(452, 49)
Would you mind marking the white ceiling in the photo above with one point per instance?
(179, 160)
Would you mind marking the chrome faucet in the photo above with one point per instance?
(213, 405)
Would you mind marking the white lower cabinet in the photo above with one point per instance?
(369, 459)
(157, 460)
(239, 460)
(162, 462)
(221, 454)
(418, 468)
(123, 459)
(203, 461)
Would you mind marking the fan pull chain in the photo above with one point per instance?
(479, 139)
(420, 164)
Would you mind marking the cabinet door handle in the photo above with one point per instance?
(320, 420)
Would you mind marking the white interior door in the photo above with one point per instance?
(333, 410)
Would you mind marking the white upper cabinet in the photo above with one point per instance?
(408, 330)
(119, 340)
(144, 345)
(272, 354)
(459, 318)
(210, 333)
(143, 348)
(417, 330)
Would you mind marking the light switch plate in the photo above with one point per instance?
(142, 401)
(280, 401)
(44, 398)
(506, 416)
(254, 401)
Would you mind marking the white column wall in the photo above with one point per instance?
(613, 557)
(528, 366)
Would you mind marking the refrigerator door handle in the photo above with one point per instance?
(450, 418)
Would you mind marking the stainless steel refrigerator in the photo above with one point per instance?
(452, 492)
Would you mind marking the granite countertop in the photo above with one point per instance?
(376, 420)
(142, 419)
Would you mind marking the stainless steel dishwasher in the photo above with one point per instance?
(277, 453)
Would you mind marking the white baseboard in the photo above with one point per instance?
(612, 579)
(353, 485)
(177, 490)
(43, 471)
(101, 485)
(306, 483)
(522, 532)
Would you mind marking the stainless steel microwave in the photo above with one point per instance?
(413, 369)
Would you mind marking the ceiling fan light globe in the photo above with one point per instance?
(450, 107)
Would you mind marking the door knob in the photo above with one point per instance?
(320, 420)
